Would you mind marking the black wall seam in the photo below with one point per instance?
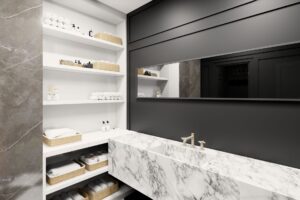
(231, 22)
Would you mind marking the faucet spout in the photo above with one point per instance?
(191, 138)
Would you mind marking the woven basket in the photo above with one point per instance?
(95, 166)
(61, 141)
(106, 66)
(67, 176)
(104, 193)
(108, 37)
(69, 63)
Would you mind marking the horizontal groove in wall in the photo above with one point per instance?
(231, 16)
(189, 22)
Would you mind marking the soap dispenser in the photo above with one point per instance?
(103, 128)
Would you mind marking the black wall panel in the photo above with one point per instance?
(264, 130)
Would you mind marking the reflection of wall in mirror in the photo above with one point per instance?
(190, 74)
(171, 87)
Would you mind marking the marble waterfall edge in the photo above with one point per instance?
(166, 170)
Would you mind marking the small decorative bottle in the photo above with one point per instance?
(103, 128)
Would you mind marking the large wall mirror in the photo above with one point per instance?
(269, 73)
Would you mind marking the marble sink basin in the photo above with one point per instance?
(168, 170)
(185, 153)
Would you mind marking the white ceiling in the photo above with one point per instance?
(125, 6)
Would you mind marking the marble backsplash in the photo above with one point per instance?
(20, 99)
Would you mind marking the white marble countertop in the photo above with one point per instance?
(277, 179)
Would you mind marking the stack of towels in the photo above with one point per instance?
(58, 133)
(93, 158)
(73, 195)
(100, 184)
(63, 168)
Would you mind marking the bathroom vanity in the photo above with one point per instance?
(168, 170)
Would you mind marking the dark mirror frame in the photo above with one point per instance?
(292, 47)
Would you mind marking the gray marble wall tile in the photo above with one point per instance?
(20, 99)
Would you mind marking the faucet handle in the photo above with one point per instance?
(202, 143)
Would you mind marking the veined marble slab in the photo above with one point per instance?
(167, 170)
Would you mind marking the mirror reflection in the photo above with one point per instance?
(272, 73)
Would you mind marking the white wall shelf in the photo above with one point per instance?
(79, 102)
(153, 78)
(88, 140)
(65, 68)
(88, 174)
(69, 35)
(75, 83)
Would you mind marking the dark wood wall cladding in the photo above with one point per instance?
(262, 130)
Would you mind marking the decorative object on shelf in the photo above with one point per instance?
(103, 96)
(91, 33)
(64, 171)
(140, 71)
(101, 188)
(106, 65)
(88, 65)
(56, 137)
(53, 93)
(148, 72)
(95, 160)
(105, 126)
(109, 37)
(70, 63)
(52, 19)
(158, 93)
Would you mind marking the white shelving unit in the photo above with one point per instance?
(152, 78)
(70, 69)
(77, 102)
(76, 37)
(75, 84)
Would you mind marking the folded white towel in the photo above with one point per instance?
(64, 169)
(62, 132)
(65, 196)
(75, 195)
(94, 157)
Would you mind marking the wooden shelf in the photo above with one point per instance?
(88, 174)
(88, 140)
(76, 37)
(78, 102)
(66, 68)
(152, 78)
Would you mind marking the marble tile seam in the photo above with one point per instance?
(22, 11)
(23, 62)
(2, 150)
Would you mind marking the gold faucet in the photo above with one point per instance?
(192, 138)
